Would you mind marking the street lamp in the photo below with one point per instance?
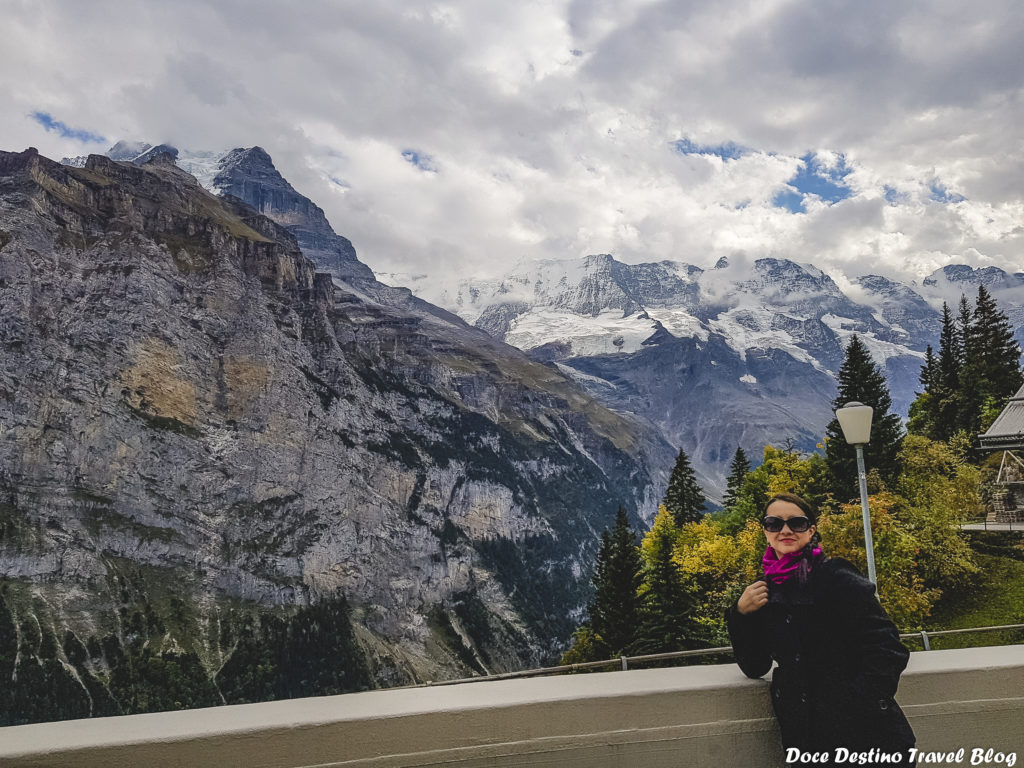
(855, 421)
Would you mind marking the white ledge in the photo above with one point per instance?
(694, 716)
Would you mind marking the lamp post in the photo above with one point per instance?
(855, 421)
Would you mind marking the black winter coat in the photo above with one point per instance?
(839, 661)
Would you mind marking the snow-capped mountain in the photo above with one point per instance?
(1007, 288)
(741, 354)
(597, 305)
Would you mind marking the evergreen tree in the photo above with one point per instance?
(738, 471)
(972, 369)
(929, 371)
(684, 499)
(945, 392)
(666, 605)
(615, 610)
(991, 364)
(963, 325)
(8, 658)
(950, 352)
(921, 419)
(860, 380)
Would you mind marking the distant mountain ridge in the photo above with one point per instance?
(741, 354)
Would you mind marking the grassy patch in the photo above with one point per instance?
(214, 209)
(996, 597)
(5, 237)
(90, 178)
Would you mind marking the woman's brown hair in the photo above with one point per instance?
(805, 506)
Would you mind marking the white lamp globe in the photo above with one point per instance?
(855, 421)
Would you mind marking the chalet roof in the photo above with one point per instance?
(1007, 431)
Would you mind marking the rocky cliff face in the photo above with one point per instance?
(184, 392)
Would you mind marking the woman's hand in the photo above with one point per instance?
(753, 598)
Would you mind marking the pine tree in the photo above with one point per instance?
(684, 499)
(666, 604)
(930, 370)
(860, 380)
(738, 471)
(963, 325)
(991, 369)
(971, 371)
(615, 610)
(921, 418)
(945, 392)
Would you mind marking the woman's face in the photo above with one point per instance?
(785, 541)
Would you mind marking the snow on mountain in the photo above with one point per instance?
(905, 311)
(749, 328)
(203, 165)
(573, 303)
(680, 323)
(740, 354)
(606, 334)
(954, 280)
(128, 150)
(844, 328)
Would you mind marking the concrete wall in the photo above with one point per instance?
(691, 716)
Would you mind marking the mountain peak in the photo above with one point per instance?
(250, 175)
(598, 260)
(15, 161)
(159, 149)
(127, 150)
(963, 273)
(876, 283)
(250, 158)
(163, 157)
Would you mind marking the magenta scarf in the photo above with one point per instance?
(779, 569)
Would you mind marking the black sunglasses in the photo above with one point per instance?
(775, 524)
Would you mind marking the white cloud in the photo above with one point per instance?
(550, 124)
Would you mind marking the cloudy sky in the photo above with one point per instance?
(461, 137)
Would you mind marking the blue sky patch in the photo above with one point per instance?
(421, 160)
(727, 151)
(62, 129)
(894, 196)
(789, 199)
(938, 192)
(815, 178)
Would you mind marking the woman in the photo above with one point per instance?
(839, 656)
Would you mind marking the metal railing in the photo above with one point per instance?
(926, 636)
(623, 662)
(983, 524)
(985, 521)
